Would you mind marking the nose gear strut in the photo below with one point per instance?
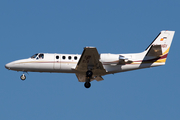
(23, 77)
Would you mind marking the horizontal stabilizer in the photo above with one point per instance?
(155, 51)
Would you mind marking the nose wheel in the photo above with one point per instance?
(23, 77)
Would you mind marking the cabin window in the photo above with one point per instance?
(63, 57)
(75, 57)
(57, 57)
(69, 57)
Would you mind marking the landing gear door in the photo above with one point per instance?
(57, 64)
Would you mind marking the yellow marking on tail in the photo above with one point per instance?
(161, 61)
(166, 51)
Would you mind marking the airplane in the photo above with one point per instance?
(91, 65)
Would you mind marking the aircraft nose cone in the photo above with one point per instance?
(7, 66)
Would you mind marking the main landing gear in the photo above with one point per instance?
(89, 74)
(23, 77)
(87, 84)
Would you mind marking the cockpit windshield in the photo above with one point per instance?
(34, 56)
(38, 56)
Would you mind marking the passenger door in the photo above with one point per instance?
(57, 59)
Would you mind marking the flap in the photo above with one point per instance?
(82, 77)
(98, 78)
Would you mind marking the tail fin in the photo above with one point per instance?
(159, 48)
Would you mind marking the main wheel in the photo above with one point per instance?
(23, 77)
(87, 84)
(89, 73)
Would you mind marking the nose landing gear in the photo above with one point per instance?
(23, 77)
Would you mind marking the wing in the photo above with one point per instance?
(90, 61)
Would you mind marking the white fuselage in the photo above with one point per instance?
(91, 65)
(66, 63)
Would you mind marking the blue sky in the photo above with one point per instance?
(116, 26)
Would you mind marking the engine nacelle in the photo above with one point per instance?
(123, 59)
(114, 59)
(110, 59)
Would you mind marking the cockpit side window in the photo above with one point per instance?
(34, 56)
(41, 56)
